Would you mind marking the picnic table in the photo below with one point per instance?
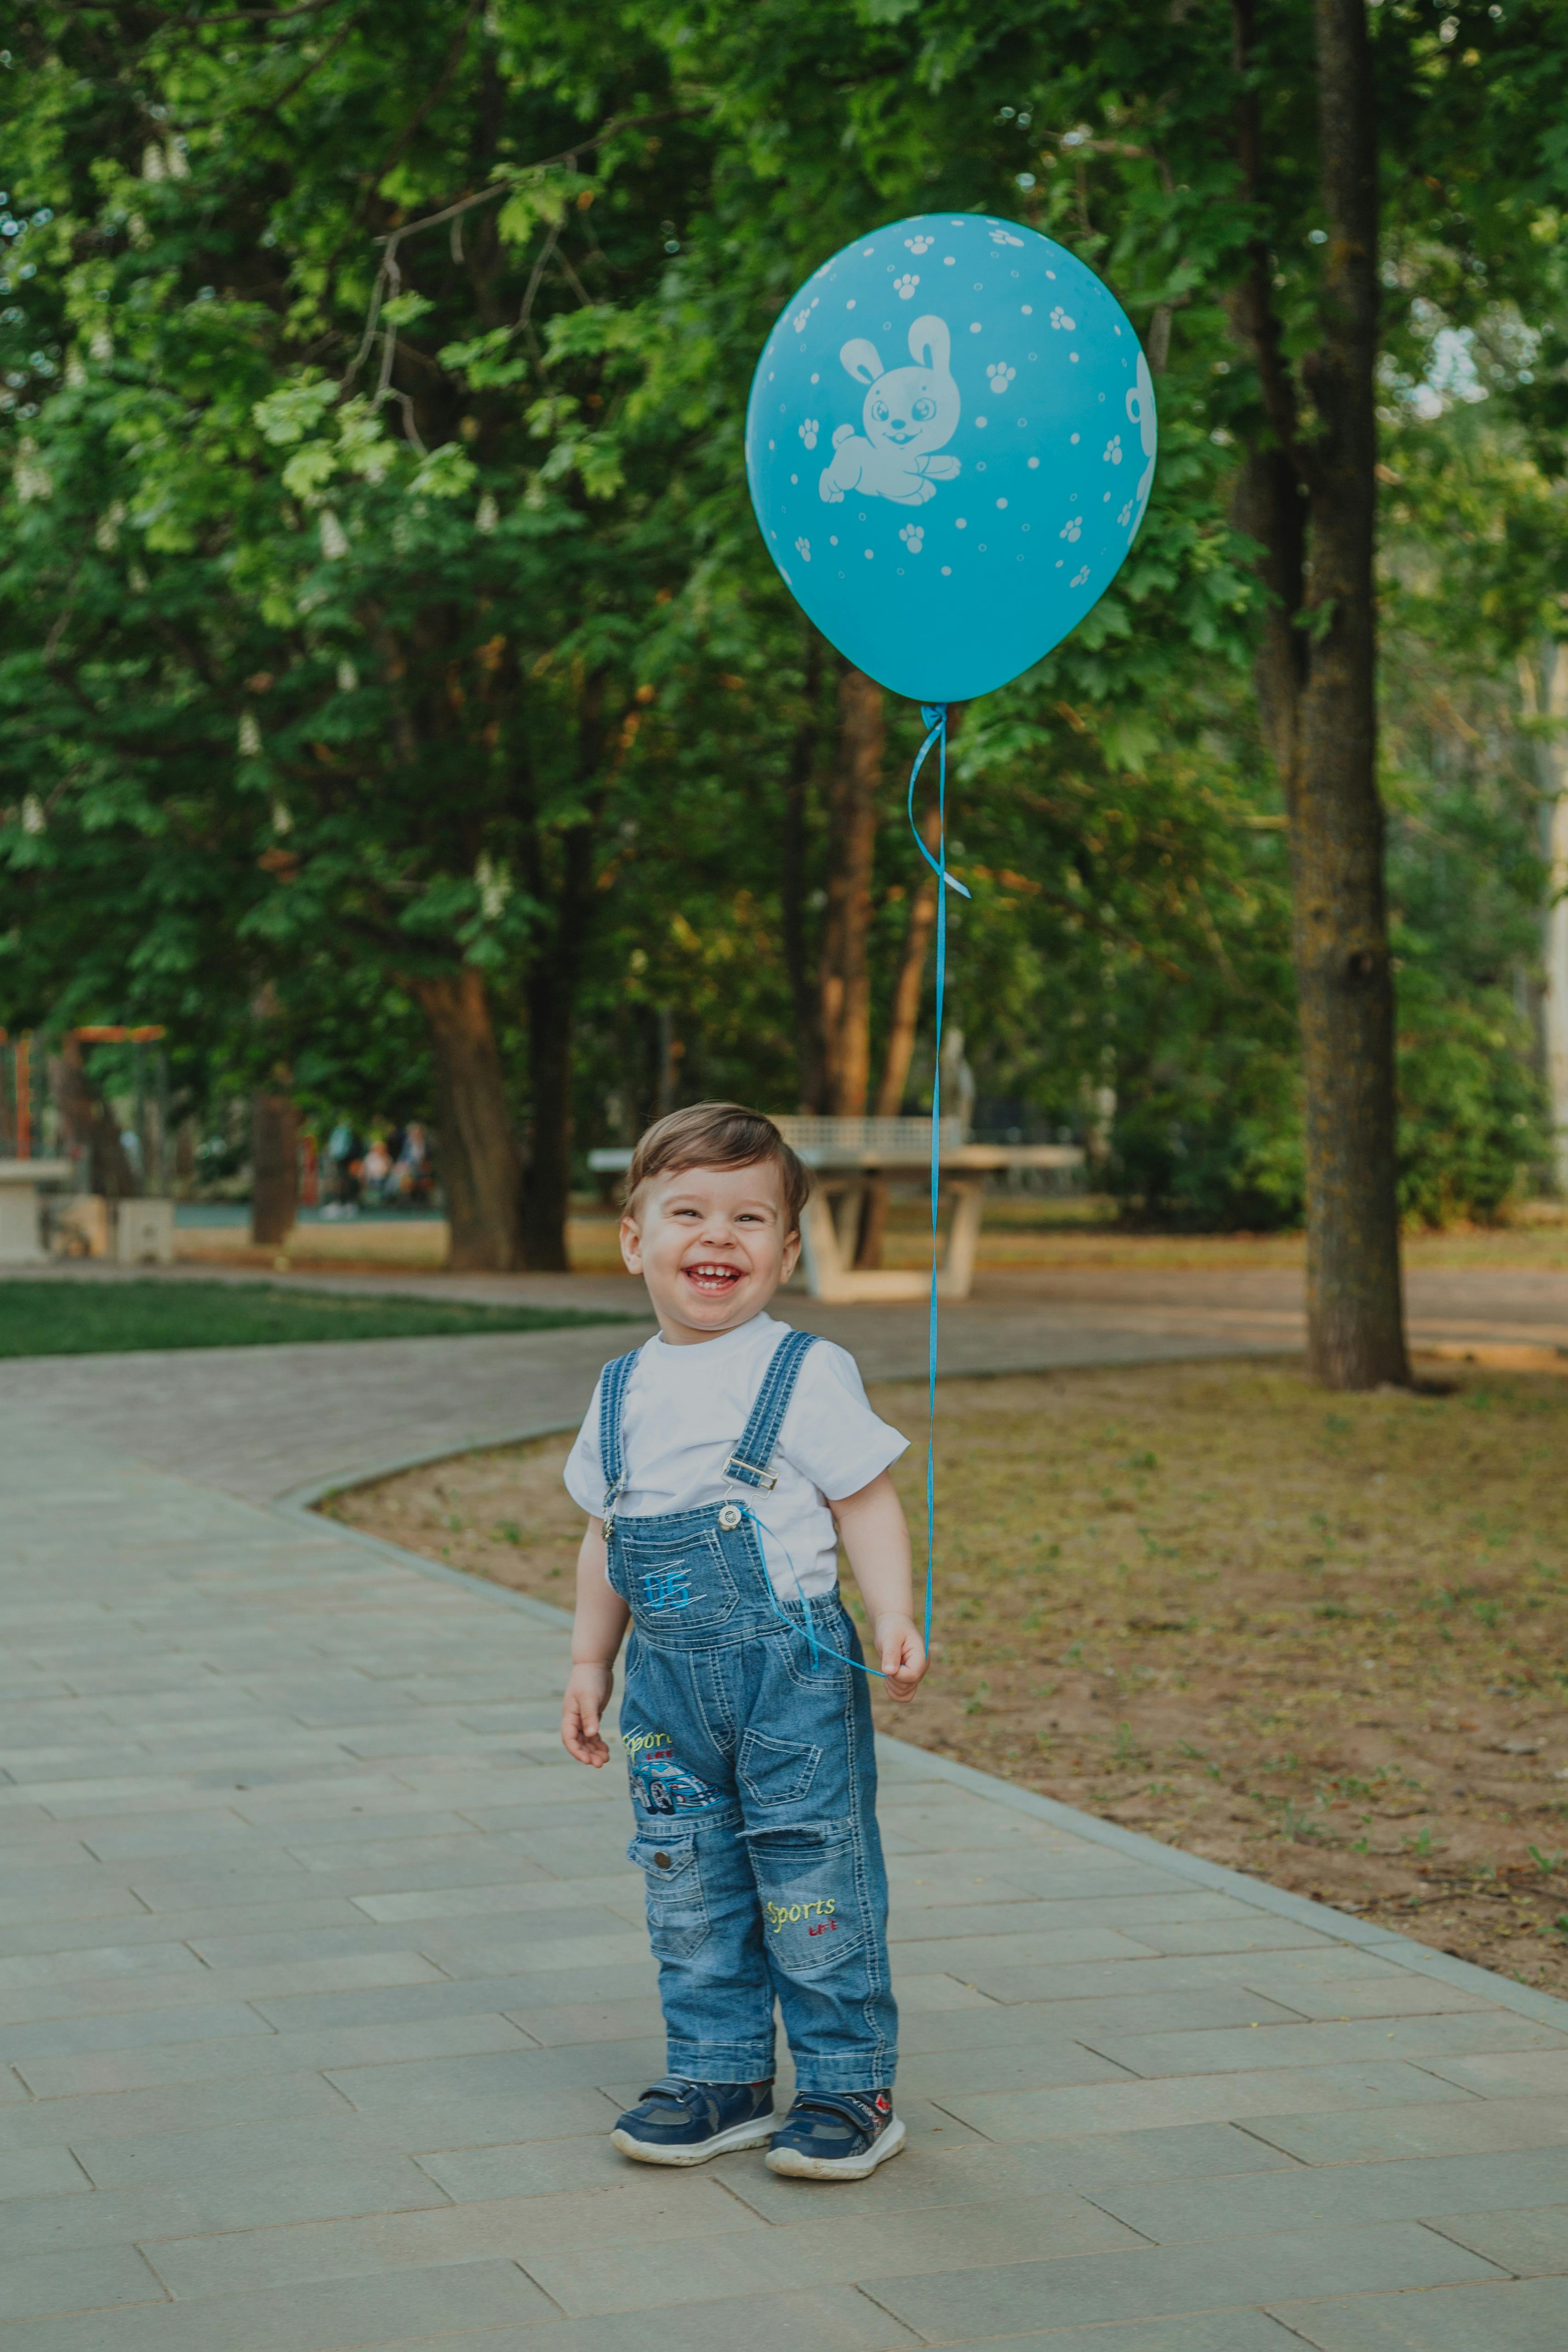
(845, 1155)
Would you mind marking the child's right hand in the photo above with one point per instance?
(588, 1690)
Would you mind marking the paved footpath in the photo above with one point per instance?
(322, 1975)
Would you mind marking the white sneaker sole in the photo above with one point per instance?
(756, 2134)
(796, 2166)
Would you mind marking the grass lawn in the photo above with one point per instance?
(1322, 1639)
(93, 1319)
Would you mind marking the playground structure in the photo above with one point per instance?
(82, 1175)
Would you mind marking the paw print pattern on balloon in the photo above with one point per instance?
(904, 286)
(1072, 528)
(1125, 517)
(1079, 577)
(802, 318)
(1113, 450)
(913, 537)
(803, 550)
(1001, 375)
(919, 243)
(809, 432)
(1005, 237)
(1061, 322)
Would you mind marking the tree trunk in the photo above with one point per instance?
(547, 1195)
(1312, 502)
(481, 1171)
(902, 1023)
(275, 1168)
(845, 972)
(1545, 683)
(91, 1126)
(1355, 1323)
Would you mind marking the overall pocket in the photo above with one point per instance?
(776, 1771)
(677, 1913)
(812, 1913)
(677, 1584)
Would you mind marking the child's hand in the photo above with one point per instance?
(588, 1690)
(903, 1655)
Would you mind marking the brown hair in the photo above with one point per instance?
(719, 1134)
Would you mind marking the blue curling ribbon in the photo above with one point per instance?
(935, 714)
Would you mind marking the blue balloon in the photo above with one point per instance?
(950, 443)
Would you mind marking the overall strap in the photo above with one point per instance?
(748, 1463)
(613, 1385)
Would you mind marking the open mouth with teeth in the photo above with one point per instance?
(712, 1277)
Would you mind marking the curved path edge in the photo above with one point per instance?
(302, 1505)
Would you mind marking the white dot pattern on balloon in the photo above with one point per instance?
(1033, 464)
(1001, 502)
(960, 523)
(947, 572)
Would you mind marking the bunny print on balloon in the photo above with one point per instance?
(909, 414)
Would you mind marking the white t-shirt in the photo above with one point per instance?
(684, 1414)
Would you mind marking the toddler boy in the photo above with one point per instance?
(713, 1464)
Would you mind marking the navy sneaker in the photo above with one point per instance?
(683, 2122)
(836, 2136)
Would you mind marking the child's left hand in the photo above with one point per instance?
(901, 1656)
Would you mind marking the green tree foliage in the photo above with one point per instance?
(386, 636)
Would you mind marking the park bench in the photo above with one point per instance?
(845, 1155)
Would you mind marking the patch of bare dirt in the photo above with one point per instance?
(1322, 1639)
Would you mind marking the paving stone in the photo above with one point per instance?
(1204, 2331)
(302, 2012)
(1384, 2132)
(522, 2074)
(1496, 2074)
(239, 2151)
(337, 2313)
(823, 2252)
(90, 2280)
(1531, 2244)
(1198, 2098)
(1327, 2045)
(184, 2107)
(271, 2053)
(1504, 2318)
(1164, 2281)
(40, 2172)
(203, 2021)
(186, 2209)
(824, 2319)
(978, 2172)
(1318, 2196)
(644, 2209)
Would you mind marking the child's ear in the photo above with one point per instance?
(792, 1254)
(630, 1243)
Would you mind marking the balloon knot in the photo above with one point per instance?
(933, 713)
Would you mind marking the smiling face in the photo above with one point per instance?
(713, 1245)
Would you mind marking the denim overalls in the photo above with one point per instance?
(753, 1783)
